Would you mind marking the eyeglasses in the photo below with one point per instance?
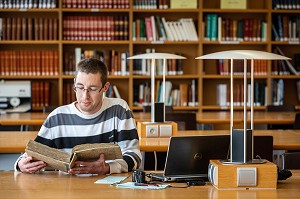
(91, 90)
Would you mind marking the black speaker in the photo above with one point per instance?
(159, 112)
(238, 150)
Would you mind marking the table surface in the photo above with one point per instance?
(59, 185)
(218, 117)
(15, 141)
(223, 117)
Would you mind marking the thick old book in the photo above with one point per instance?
(64, 161)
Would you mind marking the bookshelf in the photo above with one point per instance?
(204, 74)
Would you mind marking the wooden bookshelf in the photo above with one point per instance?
(203, 73)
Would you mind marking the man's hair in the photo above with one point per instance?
(93, 66)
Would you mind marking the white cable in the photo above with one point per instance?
(155, 161)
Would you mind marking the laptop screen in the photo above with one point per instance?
(190, 155)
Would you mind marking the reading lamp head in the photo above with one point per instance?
(154, 56)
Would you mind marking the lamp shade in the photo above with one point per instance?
(243, 54)
(156, 56)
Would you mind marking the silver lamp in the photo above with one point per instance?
(241, 140)
(153, 57)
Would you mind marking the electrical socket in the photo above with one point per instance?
(151, 131)
(165, 130)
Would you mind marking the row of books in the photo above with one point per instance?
(40, 94)
(95, 4)
(223, 67)
(156, 28)
(29, 62)
(184, 94)
(286, 4)
(27, 4)
(95, 27)
(223, 94)
(218, 28)
(115, 60)
(164, 4)
(286, 28)
(28, 28)
(143, 66)
(150, 4)
(283, 65)
(278, 90)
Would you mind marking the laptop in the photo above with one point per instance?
(188, 157)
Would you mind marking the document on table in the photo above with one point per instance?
(112, 180)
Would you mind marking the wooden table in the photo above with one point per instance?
(62, 186)
(223, 117)
(218, 117)
(28, 118)
(15, 142)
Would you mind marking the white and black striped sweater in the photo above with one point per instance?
(67, 127)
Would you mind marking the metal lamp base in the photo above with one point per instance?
(253, 161)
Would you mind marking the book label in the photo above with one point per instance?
(179, 4)
(233, 4)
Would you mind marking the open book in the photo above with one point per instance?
(58, 159)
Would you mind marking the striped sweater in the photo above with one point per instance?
(67, 127)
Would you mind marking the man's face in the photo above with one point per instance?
(89, 92)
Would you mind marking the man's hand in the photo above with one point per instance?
(26, 165)
(97, 167)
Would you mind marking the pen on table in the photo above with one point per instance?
(144, 184)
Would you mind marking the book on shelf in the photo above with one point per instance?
(158, 29)
(64, 161)
(286, 5)
(221, 95)
(277, 92)
(29, 62)
(116, 91)
(184, 90)
(298, 89)
(289, 64)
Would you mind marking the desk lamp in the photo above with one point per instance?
(161, 110)
(241, 140)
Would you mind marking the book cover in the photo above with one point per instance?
(183, 88)
(116, 91)
(64, 161)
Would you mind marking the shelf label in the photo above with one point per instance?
(223, 107)
(23, 10)
(157, 42)
(229, 42)
(95, 10)
(293, 42)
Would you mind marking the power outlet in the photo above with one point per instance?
(151, 131)
(247, 177)
(165, 130)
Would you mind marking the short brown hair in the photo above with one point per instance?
(93, 66)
